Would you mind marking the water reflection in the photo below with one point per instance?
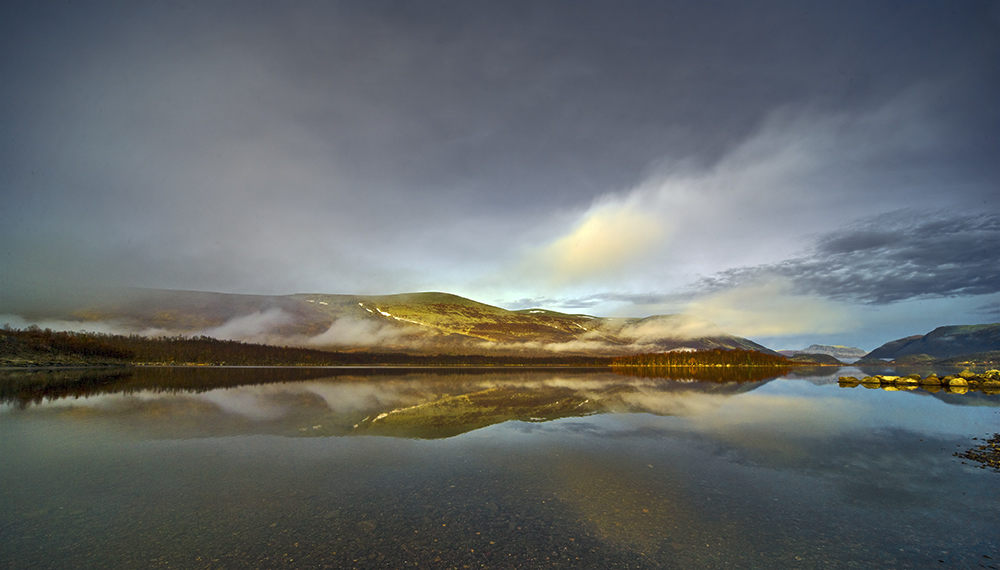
(323, 402)
(600, 470)
(415, 403)
(712, 374)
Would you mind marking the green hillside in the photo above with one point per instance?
(428, 322)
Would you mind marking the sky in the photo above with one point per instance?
(796, 172)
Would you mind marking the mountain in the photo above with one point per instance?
(815, 358)
(842, 353)
(414, 322)
(943, 342)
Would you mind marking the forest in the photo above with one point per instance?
(715, 357)
(44, 347)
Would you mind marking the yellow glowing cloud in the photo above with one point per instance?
(770, 309)
(608, 238)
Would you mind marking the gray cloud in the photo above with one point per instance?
(394, 146)
(893, 257)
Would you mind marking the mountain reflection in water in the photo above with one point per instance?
(263, 468)
(423, 403)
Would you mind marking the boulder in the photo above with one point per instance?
(848, 381)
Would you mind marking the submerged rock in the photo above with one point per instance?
(987, 455)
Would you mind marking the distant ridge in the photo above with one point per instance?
(942, 342)
(426, 322)
(842, 353)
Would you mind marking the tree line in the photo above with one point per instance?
(36, 346)
(714, 357)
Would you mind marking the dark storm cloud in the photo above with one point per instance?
(375, 147)
(889, 258)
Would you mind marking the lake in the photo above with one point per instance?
(463, 468)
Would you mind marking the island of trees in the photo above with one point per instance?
(715, 357)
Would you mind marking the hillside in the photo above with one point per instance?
(438, 323)
(942, 342)
(816, 358)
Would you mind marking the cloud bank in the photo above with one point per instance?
(884, 259)
(799, 175)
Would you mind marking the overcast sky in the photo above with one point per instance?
(796, 172)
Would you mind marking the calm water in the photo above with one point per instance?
(530, 469)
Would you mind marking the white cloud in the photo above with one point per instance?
(770, 308)
(347, 331)
(256, 326)
(802, 173)
(608, 238)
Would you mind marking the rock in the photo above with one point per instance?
(931, 380)
(908, 379)
(956, 381)
(889, 379)
(848, 381)
(967, 373)
(914, 377)
(871, 380)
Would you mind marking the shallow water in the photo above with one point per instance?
(488, 469)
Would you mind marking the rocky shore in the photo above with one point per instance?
(966, 381)
(986, 455)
